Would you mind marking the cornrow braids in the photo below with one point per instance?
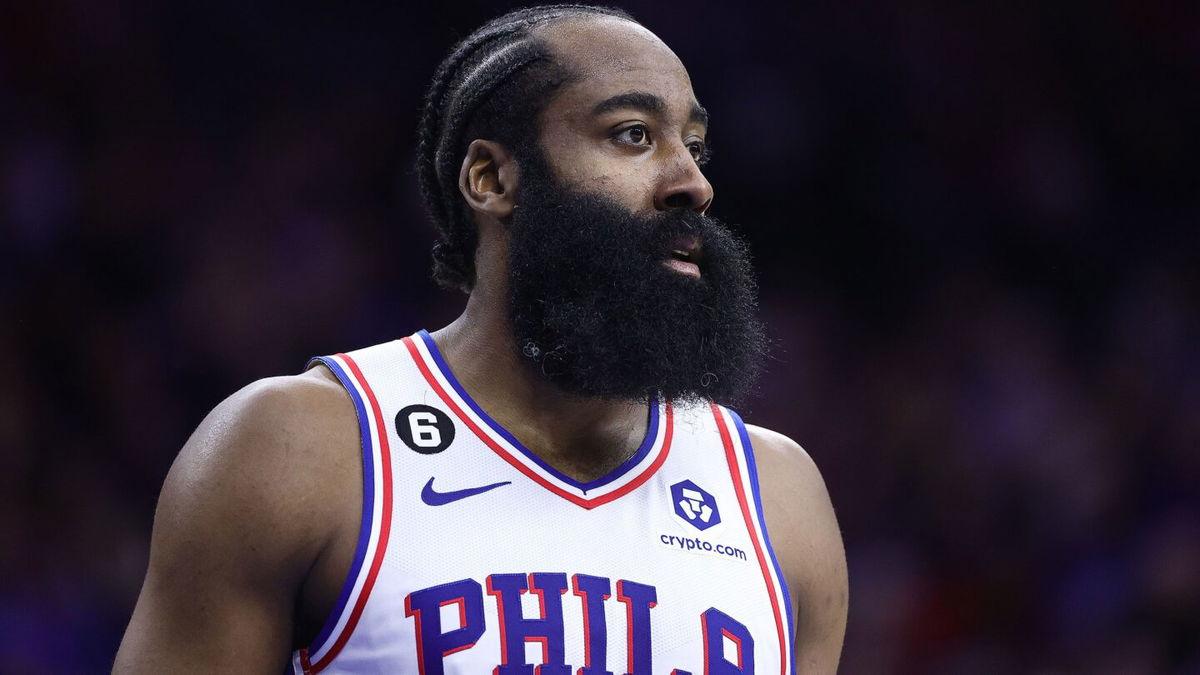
(492, 85)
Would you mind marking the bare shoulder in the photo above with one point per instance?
(806, 538)
(274, 443)
(790, 480)
(267, 463)
(778, 452)
(276, 425)
(251, 502)
(798, 509)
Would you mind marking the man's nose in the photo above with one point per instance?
(683, 185)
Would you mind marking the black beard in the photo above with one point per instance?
(596, 312)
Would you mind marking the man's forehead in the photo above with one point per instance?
(606, 43)
(611, 55)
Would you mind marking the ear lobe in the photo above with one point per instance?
(487, 179)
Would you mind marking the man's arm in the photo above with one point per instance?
(805, 535)
(244, 513)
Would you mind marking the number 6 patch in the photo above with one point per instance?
(424, 429)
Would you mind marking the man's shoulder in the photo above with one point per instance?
(793, 490)
(278, 448)
(299, 420)
(777, 454)
(262, 488)
(312, 391)
(795, 500)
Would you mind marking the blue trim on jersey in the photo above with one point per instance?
(647, 443)
(748, 449)
(364, 530)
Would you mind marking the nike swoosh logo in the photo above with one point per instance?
(434, 498)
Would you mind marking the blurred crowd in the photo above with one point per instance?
(976, 231)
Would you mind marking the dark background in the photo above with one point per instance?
(976, 231)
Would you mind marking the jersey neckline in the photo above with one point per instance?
(634, 471)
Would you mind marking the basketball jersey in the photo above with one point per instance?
(474, 556)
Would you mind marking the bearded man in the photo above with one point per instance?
(552, 483)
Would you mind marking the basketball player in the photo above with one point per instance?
(549, 484)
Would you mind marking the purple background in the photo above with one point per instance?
(976, 231)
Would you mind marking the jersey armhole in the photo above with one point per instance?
(741, 445)
(373, 524)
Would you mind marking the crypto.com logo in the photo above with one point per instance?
(695, 505)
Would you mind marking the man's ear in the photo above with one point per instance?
(488, 179)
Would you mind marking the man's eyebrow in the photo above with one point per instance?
(646, 102)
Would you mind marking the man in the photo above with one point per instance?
(546, 482)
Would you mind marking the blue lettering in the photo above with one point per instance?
(594, 591)
(728, 645)
(425, 607)
(719, 627)
(639, 599)
(516, 630)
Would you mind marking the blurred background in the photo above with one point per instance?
(976, 230)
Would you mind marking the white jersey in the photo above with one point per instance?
(474, 556)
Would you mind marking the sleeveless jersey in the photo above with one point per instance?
(474, 556)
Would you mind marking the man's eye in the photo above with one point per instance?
(701, 152)
(635, 135)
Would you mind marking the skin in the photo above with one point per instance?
(258, 519)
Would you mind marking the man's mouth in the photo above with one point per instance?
(684, 256)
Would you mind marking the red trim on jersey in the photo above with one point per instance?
(628, 602)
(462, 612)
(409, 611)
(737, 641)
(521, 466)
(587, 623)
(499, 595)
(624, 599)
(385, 521)
(541, 593)
(736, 473)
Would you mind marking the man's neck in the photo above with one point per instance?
(583, 438)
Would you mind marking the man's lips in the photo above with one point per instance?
(684, 256)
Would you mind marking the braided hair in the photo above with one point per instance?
(492, 85)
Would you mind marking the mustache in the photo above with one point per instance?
(682, 235)
(661, 231)
(671, 221)
(679, 221)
